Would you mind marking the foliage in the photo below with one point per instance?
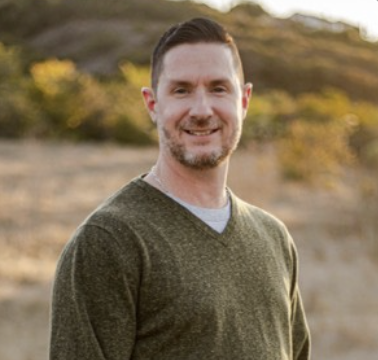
(58, 101)
(133, 124)
(17, 111)
(317, 133)
(312, 149)
(365, 137)
(280, 54)
(77, 106)
(74, 105)
(268, 115)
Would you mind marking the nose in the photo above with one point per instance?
(201, 107)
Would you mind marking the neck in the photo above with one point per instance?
(203, 188)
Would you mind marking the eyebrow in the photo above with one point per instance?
(185, 83)
(173, 83)
(221, 82)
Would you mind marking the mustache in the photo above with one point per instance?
(201, 123)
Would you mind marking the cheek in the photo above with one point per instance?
(171, 115)
(229, 112)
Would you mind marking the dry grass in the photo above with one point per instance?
(47, 189)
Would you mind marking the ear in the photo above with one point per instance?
(150, 102)
(246, 96)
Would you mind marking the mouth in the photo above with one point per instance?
(205, 132)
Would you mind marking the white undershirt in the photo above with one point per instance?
(215, 218)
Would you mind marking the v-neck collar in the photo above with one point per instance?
(223, 237)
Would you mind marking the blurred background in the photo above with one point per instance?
(73, 129)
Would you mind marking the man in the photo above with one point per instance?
(174, 266)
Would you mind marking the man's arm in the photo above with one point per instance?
(301, 340)
(300, 330)
(94, 299)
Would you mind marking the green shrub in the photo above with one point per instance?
(370, 154)
(267, 116)
(312, 150)
(17, 111)
(79, 107)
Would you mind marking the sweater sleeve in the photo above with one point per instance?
(93, 313)
(301, 340)
(300, 331)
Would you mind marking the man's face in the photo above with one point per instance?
(199, 105)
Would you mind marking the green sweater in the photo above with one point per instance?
(144, 279)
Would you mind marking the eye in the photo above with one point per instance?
(181, 91)
(219, 89)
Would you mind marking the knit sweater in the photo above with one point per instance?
(145, 279)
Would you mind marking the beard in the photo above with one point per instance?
(200, 160)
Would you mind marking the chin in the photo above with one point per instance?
(200, 157)
(202, 160)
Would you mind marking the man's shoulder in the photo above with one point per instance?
(261, 224)
(119, 217)
(260, 218)
(130, 201)
(249, 209)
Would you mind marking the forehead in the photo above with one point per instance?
(202, 59)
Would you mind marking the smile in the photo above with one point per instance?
(201, 132)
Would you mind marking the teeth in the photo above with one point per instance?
(200, 133)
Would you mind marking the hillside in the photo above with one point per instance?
(287, 54)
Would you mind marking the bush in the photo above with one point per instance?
(131, 103)
(79, 107)
(370, 155)
(17, 111)
(317, 133)
(312, 150)
(268, 116)
(365, 117)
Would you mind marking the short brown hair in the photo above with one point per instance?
(194, 31)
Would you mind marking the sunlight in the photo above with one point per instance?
(361, 15)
